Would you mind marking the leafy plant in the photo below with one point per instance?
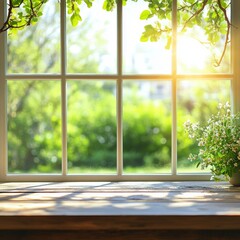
(218, 142)
(210, 15)
(22, 13)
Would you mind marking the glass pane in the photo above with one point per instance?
(91, 127)
(36, 48)
(146, 127)
(195, 52)
(197, 100)
(143, 57)
(92, 45)
(34, 127)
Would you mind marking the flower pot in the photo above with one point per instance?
(235, 179)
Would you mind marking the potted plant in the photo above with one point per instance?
(219, 144)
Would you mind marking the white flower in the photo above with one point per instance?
(227, 106)
(201, 152)
(218, 140)
(195, 126)
(187, 124)
(220, 105)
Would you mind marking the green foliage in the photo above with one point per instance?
(151, 33)
(162, 12)
(35, 128)
(218, 141)
(197, 103)
(147, 133)
(22, 13)
(73, 7)
(108, 5)
(34, 135)
(34, 125)
(212, 16)
(91, 124)
(37, 45)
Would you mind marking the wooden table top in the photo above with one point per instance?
(148, 205)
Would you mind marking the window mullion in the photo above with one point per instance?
(120, 78)
(63, 86)
(119, 91)
(174, 88)
(3, 97)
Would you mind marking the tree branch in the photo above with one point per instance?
(28, 18)
(5, 26)
(218, 62)
(194, 15)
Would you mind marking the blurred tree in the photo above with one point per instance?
(34, 108)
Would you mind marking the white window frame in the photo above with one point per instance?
(119, 176)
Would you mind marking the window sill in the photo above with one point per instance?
(101, 206)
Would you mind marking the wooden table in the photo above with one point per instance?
(119, 210)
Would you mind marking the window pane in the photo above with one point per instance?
(146, 127)
(36, 48)
(92, 45)
(195, 52)
(34, 127)
(142, 57)
(91, 127)
(197, 101)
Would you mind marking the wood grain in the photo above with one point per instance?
(127, 210)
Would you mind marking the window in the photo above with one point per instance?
(95, 103)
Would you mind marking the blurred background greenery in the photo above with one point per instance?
(34, 106)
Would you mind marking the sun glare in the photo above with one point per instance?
(191, 54)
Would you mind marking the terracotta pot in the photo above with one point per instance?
(235, 179)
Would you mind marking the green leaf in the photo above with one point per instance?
(153, 38)
(108, 5)
(169, 43)
(149, 28)
(223, 28)
(144, 38)
(39, 13)
(70, 10)
(35, 19)
(89, 3)
(76, 8)
(224, 4)
(75, 19)
(16, 2)
(20, 15)
(145, 14)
